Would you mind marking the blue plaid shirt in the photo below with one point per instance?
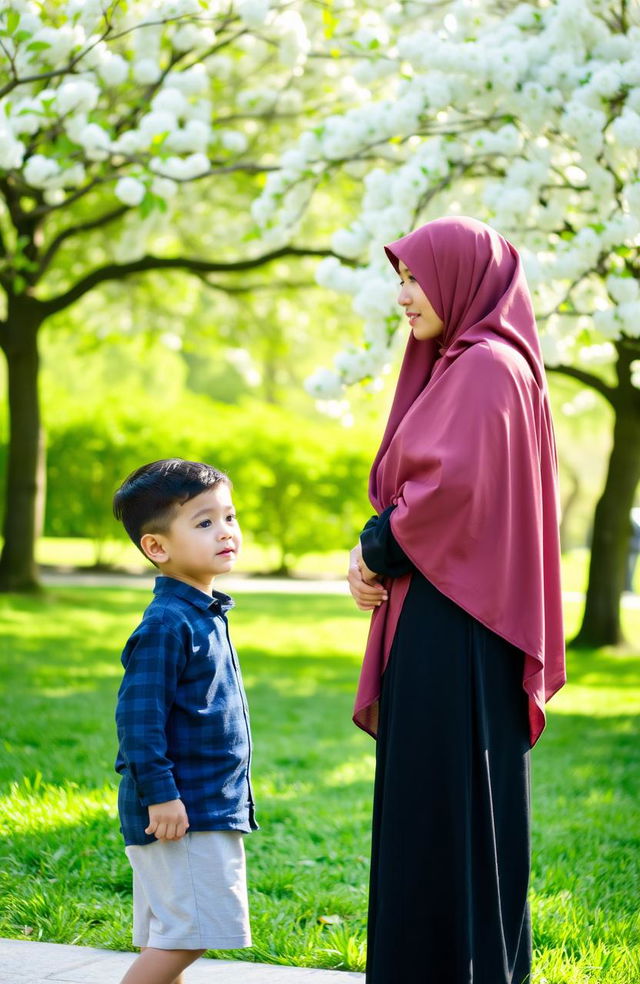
(182, 716)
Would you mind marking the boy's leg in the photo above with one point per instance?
(160, 966)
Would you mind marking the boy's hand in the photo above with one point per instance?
(168, 821)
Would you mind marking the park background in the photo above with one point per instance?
(210, 358)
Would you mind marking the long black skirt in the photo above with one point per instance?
(450, 852)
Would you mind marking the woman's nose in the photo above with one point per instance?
(403, 297)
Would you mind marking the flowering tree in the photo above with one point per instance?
(132, 138)
(530, 119)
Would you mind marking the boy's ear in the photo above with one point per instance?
(153, 548)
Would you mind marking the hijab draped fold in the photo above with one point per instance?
(468, 459)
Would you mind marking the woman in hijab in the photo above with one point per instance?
(460, 566)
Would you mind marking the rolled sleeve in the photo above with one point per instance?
(153, 661)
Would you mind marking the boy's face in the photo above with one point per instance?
(202, 541)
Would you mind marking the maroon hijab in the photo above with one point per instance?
(468, 458)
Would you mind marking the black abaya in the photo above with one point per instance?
(450, 851)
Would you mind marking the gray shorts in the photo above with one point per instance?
(191, 894)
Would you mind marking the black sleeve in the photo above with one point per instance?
(380, 549)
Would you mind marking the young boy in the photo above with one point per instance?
(185, 796)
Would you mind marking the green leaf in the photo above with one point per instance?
(38, 46)
(22, 36)
(147, 205)
(13, 19)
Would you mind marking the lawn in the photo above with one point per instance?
(63, 874)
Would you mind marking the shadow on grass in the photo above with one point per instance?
(596, 667)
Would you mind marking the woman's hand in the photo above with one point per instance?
(364, 585)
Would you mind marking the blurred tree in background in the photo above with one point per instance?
(110, 113)
(527, 116)
(141, 140)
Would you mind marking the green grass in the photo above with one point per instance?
(63, 873)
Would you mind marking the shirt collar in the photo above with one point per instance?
(217, 601)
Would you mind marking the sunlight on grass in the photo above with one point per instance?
(63, 873)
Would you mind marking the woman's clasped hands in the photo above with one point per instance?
(365, 585)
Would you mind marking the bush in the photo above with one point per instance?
(300, 484)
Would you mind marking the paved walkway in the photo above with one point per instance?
(236, 584)
(25, 962)
(233, 584)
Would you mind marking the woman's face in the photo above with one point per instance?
(424, 321)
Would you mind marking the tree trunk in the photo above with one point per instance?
(567, 508)
(24, 480)
(612, 524)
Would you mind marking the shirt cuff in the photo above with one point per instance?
(160, 790)
(381, 551)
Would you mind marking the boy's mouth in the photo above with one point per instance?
(227, 550)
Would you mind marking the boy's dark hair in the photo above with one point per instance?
(146, 500)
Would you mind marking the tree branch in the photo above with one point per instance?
(117, 271)
(56, 243)
(589, 379)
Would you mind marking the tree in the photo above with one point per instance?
(110, 112)
(528, 117)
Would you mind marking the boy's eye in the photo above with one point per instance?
(205, 523)
(231, 518)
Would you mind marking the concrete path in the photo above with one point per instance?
(234, 584)
(237, 584)
(26, 962)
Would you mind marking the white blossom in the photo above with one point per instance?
(95, 141)
(219, 66)
(39, 170)
(113, 69)
(377, 295)
(253, 12)
(626, 128)
(130, 191)
(598, 355)
(146, 71)
(11, 150)
(164, 188)
(623, 289)
(179, 8)
(194, 136)
(606, 322)
(182, 169)
(631, 193)
(77, 96)
(154, 124)
(233, 141)
(169, 100)
(331, 273)
(54, 196)
(294, 41)
(129, 143)
(60, 41)
(324, 384)
(189, 37)
(629, 316)
(635, 373)
(192, 81)
(88, 13)
(350, 242)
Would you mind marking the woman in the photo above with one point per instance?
(460, 566)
